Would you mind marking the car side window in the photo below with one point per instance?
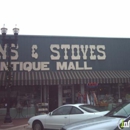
(76, 111)
(65, 110)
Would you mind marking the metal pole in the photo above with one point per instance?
(8, 75)
(119, 90)
(8, 117)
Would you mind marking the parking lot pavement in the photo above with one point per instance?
(22, 127)
(17, 124)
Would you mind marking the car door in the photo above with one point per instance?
(58, 118)
(76, 115)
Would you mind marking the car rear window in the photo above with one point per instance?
(90, 108)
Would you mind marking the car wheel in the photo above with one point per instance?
(37, 126)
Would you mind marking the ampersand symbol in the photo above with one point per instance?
(34, 53)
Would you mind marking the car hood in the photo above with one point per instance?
(100, 123)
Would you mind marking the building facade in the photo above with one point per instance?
(59, 70)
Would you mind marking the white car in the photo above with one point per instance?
(63, 115)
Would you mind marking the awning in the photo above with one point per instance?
(66, 77)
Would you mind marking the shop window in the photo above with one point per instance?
(76, 93)
(25, 95)
(67, 94)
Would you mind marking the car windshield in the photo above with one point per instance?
(122, 110)
(90, 108)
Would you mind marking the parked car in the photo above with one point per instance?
(110, 121)
(65, 114)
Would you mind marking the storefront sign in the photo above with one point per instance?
(55, 53)
(69, 54)
(92, 84)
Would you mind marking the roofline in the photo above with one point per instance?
(65, 36)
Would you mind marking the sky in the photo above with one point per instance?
(89, 18)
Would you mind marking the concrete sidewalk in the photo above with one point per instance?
(17, 124)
